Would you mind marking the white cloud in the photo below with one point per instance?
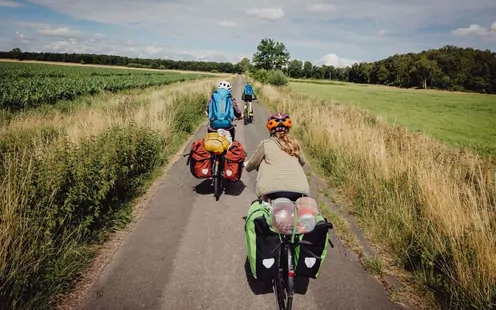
(22, 37)
(336, 61)
(381, 32)
(58, 32)
(153, 50)
(10, 4)
(477, 30)
(321, 8)
(226, 23)
(270, 14)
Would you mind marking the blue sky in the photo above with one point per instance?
(337, 32)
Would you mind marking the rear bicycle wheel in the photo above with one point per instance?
(279, 283)
(216, 176)
(290, 279)
(217, 187)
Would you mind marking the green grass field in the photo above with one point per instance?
(460, 119)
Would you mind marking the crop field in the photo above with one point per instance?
(32, 85)
(460, 119)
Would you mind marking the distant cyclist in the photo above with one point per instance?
(279, 161)
(222, 109)
(248, 97)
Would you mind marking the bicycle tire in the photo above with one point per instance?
(280, 292)
(216, 178)
(217, 188)
(290, 280)
(279, 287)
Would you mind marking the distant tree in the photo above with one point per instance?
(271, 55)
(425, 70)
(295, 68)
(16, 53)
(245, 64)
(307, 69)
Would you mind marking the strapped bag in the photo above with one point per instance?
(220, 110)
(216, 143)
(200, 160)
(233, 162)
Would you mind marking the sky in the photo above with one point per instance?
(337, 32)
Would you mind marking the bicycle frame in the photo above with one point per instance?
(284, 283)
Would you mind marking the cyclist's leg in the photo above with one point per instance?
(232, 132)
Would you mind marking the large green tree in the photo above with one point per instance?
(270, 55)
(295, 68)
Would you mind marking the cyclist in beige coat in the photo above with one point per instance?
(279, 162)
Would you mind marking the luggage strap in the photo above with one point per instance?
(329, 227)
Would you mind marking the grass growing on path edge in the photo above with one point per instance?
(68, 179)
(431, 206)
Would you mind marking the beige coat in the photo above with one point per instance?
(277, 170)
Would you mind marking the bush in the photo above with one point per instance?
(277, 78)
(261, 75)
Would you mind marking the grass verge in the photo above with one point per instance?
(69, 178)
(431, 206)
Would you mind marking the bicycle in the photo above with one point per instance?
(248, 115)
(217, 168)
(285, 280)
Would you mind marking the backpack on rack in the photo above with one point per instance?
(233, 162)
(220, 111)
(200, 160)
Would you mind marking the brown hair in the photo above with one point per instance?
(288, 144)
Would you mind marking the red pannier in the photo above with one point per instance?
(200, 160)
(233, 162)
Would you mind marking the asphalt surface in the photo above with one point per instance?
(187, 251)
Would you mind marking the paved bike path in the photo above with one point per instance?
(187, 251)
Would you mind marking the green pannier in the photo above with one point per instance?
(263, 245)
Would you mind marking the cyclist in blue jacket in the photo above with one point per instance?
(248, 97)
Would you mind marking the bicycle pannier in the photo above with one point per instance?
(312, 250)
(200, 160)
(262, 243)
(233, 162)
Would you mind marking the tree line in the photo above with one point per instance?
(114, 60)
(448, 68)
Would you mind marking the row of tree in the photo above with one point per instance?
(448, 68)
(114, 60)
